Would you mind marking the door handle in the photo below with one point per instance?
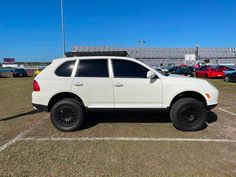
(78, 84)
(118, 84)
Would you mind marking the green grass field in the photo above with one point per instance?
(113, 158)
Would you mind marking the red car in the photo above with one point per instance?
(210, 72)
(222, 68)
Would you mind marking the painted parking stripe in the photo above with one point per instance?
(221, 109)
(20, 136)
(12, 141)
(127, 139)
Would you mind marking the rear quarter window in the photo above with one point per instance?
(65, 69)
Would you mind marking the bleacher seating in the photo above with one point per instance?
(155, 56)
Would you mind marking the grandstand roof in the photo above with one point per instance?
(156, 53)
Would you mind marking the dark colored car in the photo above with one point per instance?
(183, 71)
(230, 77)
(172, 69)
(191, 68)
(20, 73)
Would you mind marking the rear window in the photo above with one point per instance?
(230, 69)
(65, 70)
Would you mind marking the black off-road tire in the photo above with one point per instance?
(67, 115)
(188, 114)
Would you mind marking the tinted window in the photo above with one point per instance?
(128, 69)
(20, 70)
(186, 70)
(178, 70)
(93, 68)
(65, 69)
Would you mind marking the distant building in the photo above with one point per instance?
(165, 56)
(9, 65)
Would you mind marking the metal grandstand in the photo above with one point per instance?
(166, 56)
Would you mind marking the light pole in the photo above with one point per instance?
(62, 28)
(141, 42)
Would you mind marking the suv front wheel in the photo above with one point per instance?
(188, 114)
(67, 115)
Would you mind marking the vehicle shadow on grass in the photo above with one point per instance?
(94, 118)
(32, 112)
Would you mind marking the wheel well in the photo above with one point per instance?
(190, 94)
(61, 96)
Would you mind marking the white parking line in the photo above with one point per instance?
(221, 109)
(127, 139)
(12, 141)
(20, 136)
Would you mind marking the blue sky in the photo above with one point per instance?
(30, 30)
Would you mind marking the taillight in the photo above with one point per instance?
(36, 86)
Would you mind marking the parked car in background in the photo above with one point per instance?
(222, 68)
(37, 71)
(20, 73)
(230, 77)
(210, 72)
(6, 72)
(230, 70)
(185, 71)
(173, 68)
(191, 68)
(162, 70)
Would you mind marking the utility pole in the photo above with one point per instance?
(62, 28)
(197, 53)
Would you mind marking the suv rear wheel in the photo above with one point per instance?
(188, 114)
(67, 114)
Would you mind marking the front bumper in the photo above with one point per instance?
(210, 107)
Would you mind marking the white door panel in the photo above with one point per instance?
(137, 93)
(95, 92)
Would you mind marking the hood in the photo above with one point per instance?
(180, 78)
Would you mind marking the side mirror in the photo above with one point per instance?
(151, 75)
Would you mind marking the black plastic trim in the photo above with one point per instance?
(41, 107)
(210, 107)
(138, 110)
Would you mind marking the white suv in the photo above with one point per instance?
(69, 87)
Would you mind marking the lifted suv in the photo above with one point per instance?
(70, 86)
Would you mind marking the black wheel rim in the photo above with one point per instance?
(66, 116)
(189, 115)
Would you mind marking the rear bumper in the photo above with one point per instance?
(210, 107)
(40, 107)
